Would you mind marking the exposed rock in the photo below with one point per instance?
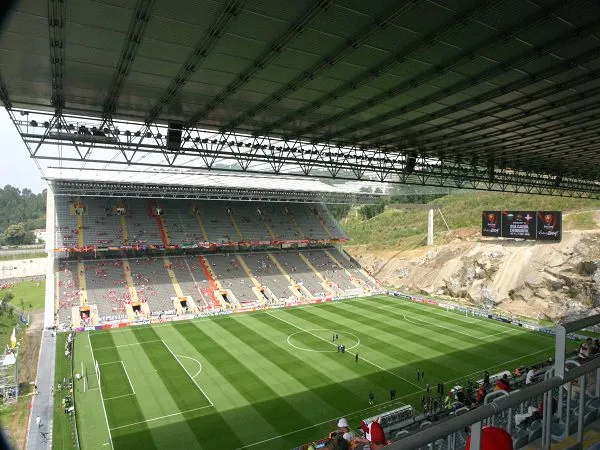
(540, 280)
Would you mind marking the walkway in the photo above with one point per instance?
(42, 404)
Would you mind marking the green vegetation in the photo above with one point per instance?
(20, 212)
(275, 377)
(28, 295)
(405, 229)
(583, 220)
(8, 317)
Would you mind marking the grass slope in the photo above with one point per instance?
(28, 295)
(274, 378)
(407, 229)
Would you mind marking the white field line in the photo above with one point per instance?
(101, 396)
(127, 345)
(197, 362)
(129, 379)
(332, 343)
(188, 374)
(118, 396)
(161, 417)
(334, 419)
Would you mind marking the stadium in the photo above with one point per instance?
(199, 291)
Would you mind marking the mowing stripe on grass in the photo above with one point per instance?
(259, 394)
(431, 335)
(362, 359)
(123, 409)
(185, 391)
(327, 392)
(478, 325)
(102, 398)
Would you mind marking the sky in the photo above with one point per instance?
(16, 168)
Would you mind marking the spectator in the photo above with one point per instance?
(493, 438)
(585, 350)
(344, 430)
(486, 378)
(596, 347)
(374, 433)
(337, 442)
(481, 393)
(530, 376)
(502, 384)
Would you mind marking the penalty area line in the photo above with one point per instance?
(161, 417)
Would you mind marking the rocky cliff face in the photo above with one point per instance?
(534, 279)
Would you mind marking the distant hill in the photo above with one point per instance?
(406, 229)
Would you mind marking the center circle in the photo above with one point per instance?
(324, 336)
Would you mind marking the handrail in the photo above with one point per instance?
(424, 437)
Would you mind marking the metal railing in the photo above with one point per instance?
(566, 376)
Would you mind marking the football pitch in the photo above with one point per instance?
(274, 379)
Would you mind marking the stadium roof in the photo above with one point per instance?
(168, 183)
(495, 94)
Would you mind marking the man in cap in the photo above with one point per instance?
(344, 430)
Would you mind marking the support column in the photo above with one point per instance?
(430, 227)
(51, 266)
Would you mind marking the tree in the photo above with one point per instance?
(16, 234)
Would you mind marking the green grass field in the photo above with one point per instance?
(274, 379)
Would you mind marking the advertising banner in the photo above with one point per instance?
(491, 223)
(549, 225)
(518, 224)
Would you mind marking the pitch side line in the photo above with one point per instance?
(332, 420)
(188, 374)
(101, 397)
(331, 343)
(161, 417)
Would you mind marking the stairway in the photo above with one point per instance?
(235, 225)
(353, 279)
(318, 274)
(83, 300)
(172, 277)
(124, 230)
(80, 239)
(212, 283)
(257, 285)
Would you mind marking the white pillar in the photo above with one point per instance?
(50, 264)
(430, 227)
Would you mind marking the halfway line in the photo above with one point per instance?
(331, 343)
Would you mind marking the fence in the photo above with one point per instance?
(573, 411)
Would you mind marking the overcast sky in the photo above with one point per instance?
(16, 168)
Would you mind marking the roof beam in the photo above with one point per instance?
(4, 98)
(272, 51)
(196, 56)
(133, 39)
(349, 46)
(456, 23)
(498, 68)
(56, 28)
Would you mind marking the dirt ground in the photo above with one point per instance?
(28, 365)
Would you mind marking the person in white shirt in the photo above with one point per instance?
(529, 377)
(344, 429)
